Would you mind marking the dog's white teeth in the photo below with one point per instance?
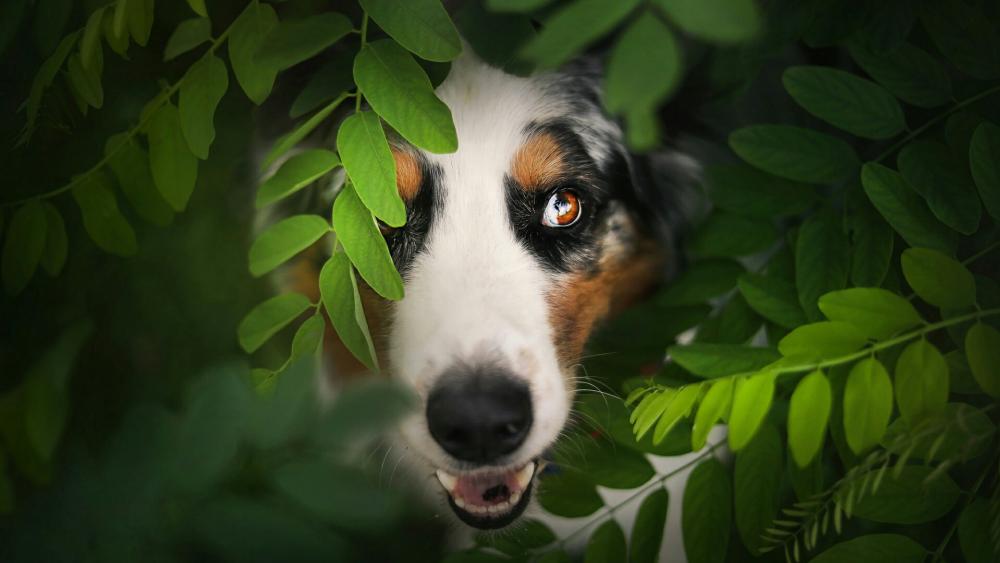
(460, 503)
(514, 498)
(448, 480)
(525, 474)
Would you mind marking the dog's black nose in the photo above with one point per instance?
(479, 417)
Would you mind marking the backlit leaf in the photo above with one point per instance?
(921, 381)
(569, 30)
(267, 318)
(174, 167)
(293, 41)
(679, 408)
(928, 167)
(364, 244)
(101, 217)
(296, 173)
(795, 153)
(343, 305)
(201, 91)
(188, 35)
(808, 414)
(706, 514)
(23, 246)
(984, 158)
(713, 408)
(982, 347)
(875, 312)
(938, 279)
(751, 402)
(867, 405)
(718, 21)
(283, 240)
(370, 165)
(423, 27)
(846, 101)
(822, 340)
(904, 209)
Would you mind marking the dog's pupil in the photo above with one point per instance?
(497, 492)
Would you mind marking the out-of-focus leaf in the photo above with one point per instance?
(867, 405)
(496, 37)
(568, 494)
(757, 486)
(938, 279)
(296, 173)
(974, 533)
(846, 101)
(808, 415)
(982, 347)
(644, 67)
(90, 43)
(364, 244)
(188, 35)
(201, 91)
(909, 498)
(752, 399)
(822, 260)
(85, 83)
(965, 35)
(872, 242)
(516, 5)
(713, 408)
(140, 20)
(647, 532)
(921, 381)
(343, 305)
(569, 30)
(423, 27)
(331, 80)
(706, 515)
(718, 21)
(795, 153)
(745, 190)
(54, 255)
(101, 217)
(370, 165)
(43, 79)
(286, 142)
(927, 166)
(904, 209)
(907, 71)
(701, 281)
(607, 543)
(198, 6)
(727, 235)
(958, 432)
(23, 246)
(131, 167)
(877, 313)
(267, 318)
(984, 158)
(874, 548)
(293, 41)
(248, 31)
(283, 240)
(174, 167)
(601, 462)
(772, 298)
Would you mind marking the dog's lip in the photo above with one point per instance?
(488, 498)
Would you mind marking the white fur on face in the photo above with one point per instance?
(474, 294)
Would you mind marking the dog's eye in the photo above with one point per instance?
(386, 230)
(562, 209)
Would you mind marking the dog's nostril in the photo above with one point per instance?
(479, 417)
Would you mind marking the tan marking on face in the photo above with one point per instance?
(408, 174)
(538, 163)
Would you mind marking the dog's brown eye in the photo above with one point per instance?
(562, 209)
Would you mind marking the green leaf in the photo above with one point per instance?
(602, 462)
(644, 67)
(974, 532)
(904, 209)
(23, 246)
(383, 72)
(516, 5)
(921, 381)
(706, 513)
(54, 256)
(808, 415)
(568, 494)
(283, 240)
(339, 291)
(751, 402)
(421, 26)
(872, 242)
(649, 410)
(119, 19)
(570, 29)
(909, 498)
(291, 42)
(717, 21)
(370, 165)
(875, 312)
(364, 244)
(307, 337)
(296, 173)
(188, 35)
(942, 181)
(101, 218)
(647, 531)
(130, 165)
(822, 340)
(745, 190)
(874, 548)
(846, 101)
(713, 408)
(734, 323)
(938, 279)
(772, 298)
(757, 486)
(822, 260)
(140, 20)
(267, 318)
(727, 235)
(718, 360)
(117, 39)
(965, 35)
(285, 143)
(247, 33)
(328, 82)
(984, 159)
(795, 153)
(86, 83)
(907, 71)
(174, 167)
(199, 7)
(701, 281)
(960, 432)
(982, 347)
(643, 131)
(607, 543)
(496, 37)
(43, 79)
(679, 408)
(867, 405)
(90, 43)
(201, 91)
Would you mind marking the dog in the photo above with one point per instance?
(516, 247)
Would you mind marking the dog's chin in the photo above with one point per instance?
(489, 498)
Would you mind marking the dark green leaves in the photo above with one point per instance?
(911, 498)
(904, 209)
(822, 260)
(23, 246)
(647, 532)
(383, 72)
(718, 21)
(729, 235)
(845, 100)
(131, 167)
(568, 494)
(875, 312)
(874, 548)
(757, 486)
(101, 217)
(984, 158)
(921, 381)
(603, 463)
(745, 190)
(248, 31)
(203, 87)
(574, 27)
(974, 532)
(909, 72)
(751, 403)
(795, 153)
(982, 347)
(422, 26)
(339, 291)
(942, 181)
(264, 320)
(293, 41)
(938, 279)
(188, 35)
(607, 543)
(283, 240)
(867, 405)
(358, 233)
(706, 516)
(701, 281)
(808, 414)
(369, 163)
(296, 173)
(718, 360)
(772, 298)
(965, 35)
(174, 167)
(54, 255)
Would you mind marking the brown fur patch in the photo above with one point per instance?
(538, 163)
(408, 173)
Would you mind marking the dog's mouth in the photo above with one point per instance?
(488, 499)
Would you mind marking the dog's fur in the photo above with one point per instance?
(485, 280)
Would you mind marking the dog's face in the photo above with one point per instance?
(515, 246)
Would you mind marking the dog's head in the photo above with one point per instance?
(516, 245)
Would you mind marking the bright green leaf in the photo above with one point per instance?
(984, 158)
(570, 29)
(423, 27)
(343, 305)
(283, 240)
(822, 340)
(679, 408)
(904, 209)
(23, 246)
(867, 405)
(713, 408)
(938, 279)
(201, 91)
(188, 35)
(846, 101)
(54, 256)
(808, 415)
(706, 513)
(982, 347)
(293, 41)
(364, 244)
(101, 218)
(875, 312)
(267, 318)
(921, 381)
(370, 165)
(296, 173)
(751, 402)
(246, 35)
(795, 153)
(174, 167)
